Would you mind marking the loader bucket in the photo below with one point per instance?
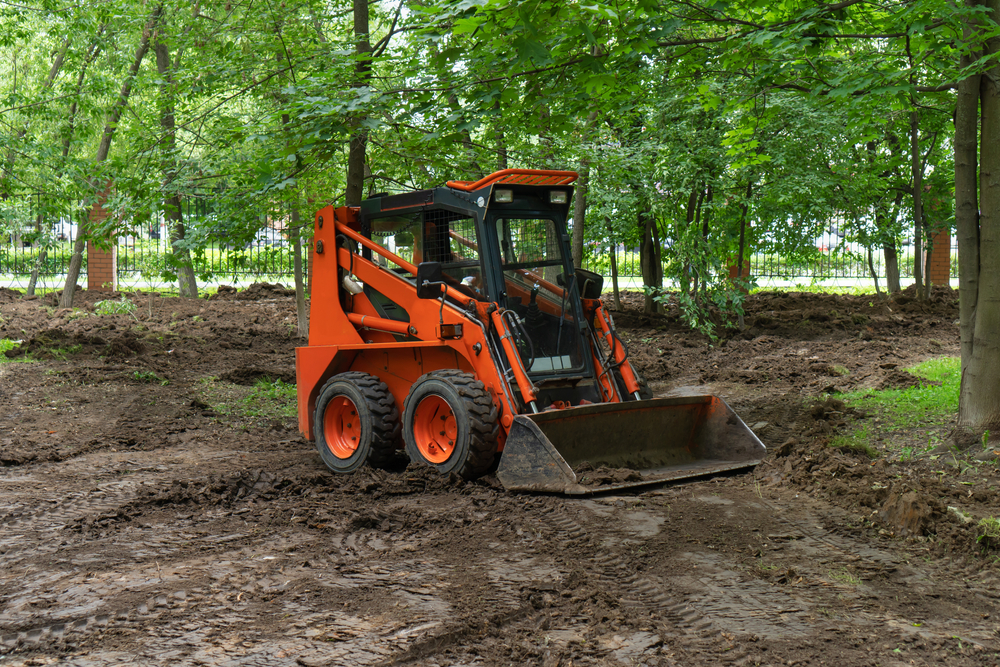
(642, 442)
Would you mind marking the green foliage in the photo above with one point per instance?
(149, 377)
(111, 307)
(8, 344)
(723, 121)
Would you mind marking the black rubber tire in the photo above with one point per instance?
(378, 415)
(476, 421)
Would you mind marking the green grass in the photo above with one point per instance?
(925, 405)
(988, 532)
(8, 344)
(858, 441)
(149, 377)
(906, 420)
(266, 400)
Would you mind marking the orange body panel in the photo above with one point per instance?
(358, 339)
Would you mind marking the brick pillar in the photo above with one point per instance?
(102, 265)
(745, 274)
(938, 262)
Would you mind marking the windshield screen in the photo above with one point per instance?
(532, 261)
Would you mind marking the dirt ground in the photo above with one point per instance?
(145, 520)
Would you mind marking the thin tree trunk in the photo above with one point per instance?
(614, 265)
(67, 140)
(871, 269)
(187, 282)
(501, 139)
(301, 311)
(649, 259)
(580, 211)
(744, 210)
(359, 141)
(916, 180)
(110, 125)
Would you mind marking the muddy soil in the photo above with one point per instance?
(147, 518)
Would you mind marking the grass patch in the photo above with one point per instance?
(149, 377)
(258, 404)
(860, 441)
(8, 344)
(928, 404)
(845, 576)
(925, 408)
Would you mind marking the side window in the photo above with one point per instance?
(399, 234)
(451, 239)
(528, 241)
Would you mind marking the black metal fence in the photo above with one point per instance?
(38, 237)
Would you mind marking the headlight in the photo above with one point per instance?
(558, 196)
(503, 196)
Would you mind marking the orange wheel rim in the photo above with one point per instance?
(435, 429)
(341, 427)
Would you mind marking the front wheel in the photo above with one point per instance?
(450, 423)
(356, 422)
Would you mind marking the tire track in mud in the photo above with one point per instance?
(694, 633)
(817, 532)
(119, 606)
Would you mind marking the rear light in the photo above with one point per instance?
(503, 196)
(558, 196)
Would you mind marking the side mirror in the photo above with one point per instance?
(430, 280)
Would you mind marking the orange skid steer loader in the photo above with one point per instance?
(451, 323)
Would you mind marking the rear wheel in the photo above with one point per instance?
(356, 422)
(450, 422)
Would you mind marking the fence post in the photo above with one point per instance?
(744, 275)
(939, 258)
(102, 265)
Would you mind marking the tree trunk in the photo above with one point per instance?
(979, 397)
(187, 282)
(301, 311)
(614, 265)
(916, 177)
(649, 259)
(110, 125)
(889, 252)
(871, 269)
(359, 142)
(500, 138)
(579, 211)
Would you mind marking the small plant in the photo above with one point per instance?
(844, 576)
(112, 307)
(858, 441)
(988, 533)
(63, 352)
(149, 377)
